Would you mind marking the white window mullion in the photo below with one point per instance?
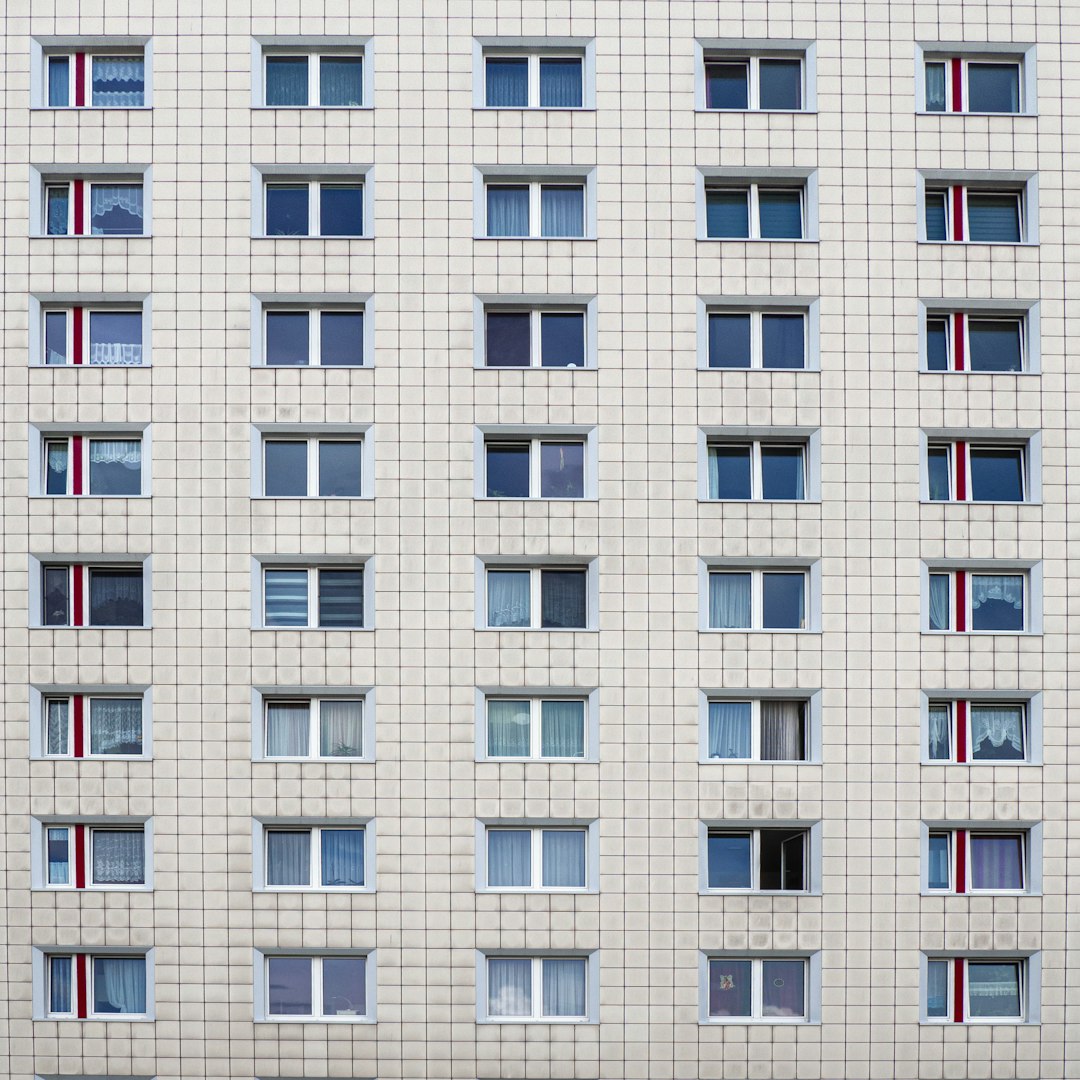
(757, 486)
(314, 206)
(313, 66)
(755, 209)
(757, 977)
(313, 597)
(535, 712)
(757, 351)
(757, 599)
(534, 209)
(536, 340)
(314, 716)
(535, 619)
(753, 88)
(314, 337)
(534, 81)
(537, 987)
(536, 868)
(312, 447)
(534, 468)
(316, 986)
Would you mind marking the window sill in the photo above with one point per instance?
(42, 626)
(767, 370)
(980, 243)
(756, 112)
(981, 633)
(96, 889)
(98, 1018)
(313, 761)
(945, 894)
(91, 367)
(537, 1020)
(92, 757)
(972, 112)
(535, 367)
(541, 629)
(91, 495)
(91, 108)
(313, 498)
(315, 1020)
(276, 890)
(980, 502)
(771, 1021)
(545, 239)
(966, 764)
(539, 761)
(314, 108)
(535, 499)
(315, 629)
(92, 236)
(312, 367)
(755, 630)
(758, 239)
(953, 371)
(762, 502)
(759, 761)
(489, 891)
(979, 1023)
(310, 236)
(535, 108)
(757, 892)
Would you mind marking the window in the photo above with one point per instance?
(984, 84)
(104, 77)
(969, 990)
(547, 598)
(330, 857)
(326, 597)
(302, 207)
(979, 213)
(979, 732)
(758, 599)
(757, 469)
(94, 856)
(529, 859)
(519, 467)
(317, 987)
(772, 339)
(109, 465)
(977, 860)
(758, 860)
(542, 988)
(81, 595)
(966, 471)
(97, 986)
(977, 342)
(548, 78)
(323, 727)
(324, 336)
(755, 211)
(772, 989)
(967, 601)
(295, 467)
(93, 207)
(536, 727)
(552, 208)
(521, 337)
(767, 83)
(99, 335)
(758, 729)
(92, 725)
(298, 78)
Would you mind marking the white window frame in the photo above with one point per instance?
(535, 305)
(262, 698)
(996, 310)
(536, 697)
(42, 47)
(42, 304)
(313, 176)
(41, 436)
(1032, 578)
(812, 987)
(260, 564)
(40, 983)
(313, 49)
(536, 829)
(747, 49)
(811, 855)
(756, 307)
(39, 860)
(1031, 703)
(757, 568)
(1028, 443)
(261, 969)
(809, 699)
(1030, 980)
(807, 440)
(532, 49)
(486, 435)
(1030, 832)
(263, 304)
(86, 563)
(534, 178)
(592, 989)
(260, 827)
(753, 181)
(535, 568)
(41, 695)
(970, 52)
(313, 435)
(47, 176)
(1024, 185)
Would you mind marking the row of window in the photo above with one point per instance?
(556, 74)
(548, 987)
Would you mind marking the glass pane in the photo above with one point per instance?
(940, 602)
(729, 472)
(59, 82)
(936, 227)
(560, 83)
(782, 472)
(287, 210)
(730, 987)
(117, 856)
(508, 597)
(343, 858)
(507, 339)
(507, 210)
(344, 990)
(117, 82)
(341, 81)
(562, 599)
(285, 469)
(287, 338)
(288, 858)
(562, 339)
(563, 858)
(935, 87)
(507, 470)
(58, 856)
(783, 730)
(783, 988)
(562, 729)
(997, 862)
(57, 712)
(993, 218)
(562, 470)
(116, 598)
(997, 733)
(507, 728)
(781, 215)
(937, 988)
(115, 466)
(783, 341)
(997, 475)
(997, 602)
(783, 601)
(729, 341)
(509, 858)
(60, 998)
(57, 201)
(562, 210)
(341, 598)
(509, 986)
(56, 347)
(729, 861)
(993, 989)
(937, 345)
(116, 338)
(993, 88)
(939, 734)
(729, 729)
(564, 986)
(937, 868)
(286, 80)
(507, 82)
(116, 209)
(727, 85)
(54, 598)
(119, 984)
(341, 339)
(56, 467)
(995, 344)
(341, 728)
(781, 84)
(729, 601)
(939, 485)
(339, 468)
(116, 726)
(286, 597)
(288, 729)
(289, 986)
(341, 209)
(727, 215)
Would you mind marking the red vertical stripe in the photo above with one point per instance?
(959, 342)
(957, 85)
(960, 456)
(960, 839)
(77, 595)
(76, 464)
(961, 601)
(958, 990)
(80, 985)
(77, 725)
(80, 78)
(77, 334)
(77, 189)
(957, 212)
(80, 856)
(961, 730)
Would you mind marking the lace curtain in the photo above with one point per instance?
(126, 452)
(117, 82)
(116, 598)
(729, 601)
(995, 728)
(939, 601)
(117, 856)
(935, 87)
(115, 726)
(1008, 588)
(116, 209)
(939, 733)
(562, 598)
(508, 597)
(56, 719)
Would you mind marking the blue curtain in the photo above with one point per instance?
(288, 857)
(286, 81)
(562, 210)
(58, 842)
(729, 729)
(59, 82)
(560, 84)
(506, 82)
(509, 986)
(288, 726)
(936, 226)
(57, 711)
(783, 341)
(507, 210)
(60, 998)
(509, 858)
(343, 857)
(729, 601)
(341, 80)
(563, 858)
(935, 87)
(508, 597)
(117, 82)
(286, 597)
(507, 728)
(727, 214)
(993, 219)
(120, 985)
(780, 214)
(939, 601)
(564, 986)
(562, 728)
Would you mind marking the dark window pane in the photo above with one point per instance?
(339, 468)
(730, 987)
(289, 986)
(55, 596)
(562, 470)
(286, 80)
(939, 484)
(784, 601)
(56, 346)
(116, 209)
(935, 87)
(781, 84)
(59, 82)
(997, 475)
(937, 869)
(56, 467)
(287, 338)
(936, 228)
(562, 210)
(783, 341)
(994, 88)
(937, 988)
(995, 344)
(997, 602)
(285, 472)
(562, 339)
(997, 862)
(341, 209)
(727, 214)
(782, 472)
(507, 210)
(560, 83)
(343, 986)
(992, 218)
(562, 599)
(507, 470)
(57, 201)
(507, 339)
(937, 344)
(117, 82)
(729, 341)
(727, 85)
(729, 472)
(783, 860)
(116, 338)
(285, 597)
(781, 215)
(341, 80)
(115, 466)
(507, 82)
(287, 210)
(729, 861)
(341, 598)
(993, 989)
(341, 338)
(783, 988)
(116, 598)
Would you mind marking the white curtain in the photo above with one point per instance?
(60, 984)
(341, 728)
(56, 466)
(343, 857)
(288, 857)
(562, 211)
(563, 858)
(509, 986)
(117, 856)
(115, 725)
(729, 601)
(939, 601)
(935, 87)
(116, 598)
(939, 733)
(288, 729)
(57, 711)
(995, 726)
(509, 858)
(729, 729)
(782, 735)
(1008, 588)
(117, 81)
(120, 984)
(508, 728)
(564, 986)
(126, 452)
(508, 597)
(107, 198)
(562, 728)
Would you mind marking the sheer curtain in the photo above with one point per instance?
(288, 857)
(57, 212)
(782, 736)
(56, 466)
(1006, 588)
(997, 731)
(564, 858)
(508, 597)
(508, 728)
(117, 81)
(126, 452)
(994, 989)
(935, 87)
(997, 862)
(287, 729)
(939, 733)
(562, 598)
(343, 857)
(124, 205)
(729, 601)
(59, 81)
(116, 597)
(729, 729)
(509, 858)
(341, 80)
(115, 726)
(783, 988)
(507, 210)
(120, 984)
(562, 211)
(509, 986)
(560, 84)
(341, 728)
(562, 728)
(564, 986)
(56, 714)
(60, 984)
(118, 856)
(939, 601)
